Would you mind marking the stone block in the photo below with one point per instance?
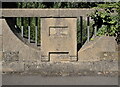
(73, 58)
(0, 27)
(13, 67)
(17, 66)
(45, 58)
(1, 54)
(1, 47)
(10, 56)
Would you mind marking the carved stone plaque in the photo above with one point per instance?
(58, 39)
(58, 31)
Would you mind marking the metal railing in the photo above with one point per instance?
(32, 33)
(84, 28)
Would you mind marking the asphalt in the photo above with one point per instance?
(38, 80)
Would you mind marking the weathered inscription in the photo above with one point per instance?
(58, 31)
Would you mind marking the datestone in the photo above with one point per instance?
(58, 39)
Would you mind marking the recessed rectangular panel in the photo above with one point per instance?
(58, 31)
(59, 56)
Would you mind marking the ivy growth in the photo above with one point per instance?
(106, 19)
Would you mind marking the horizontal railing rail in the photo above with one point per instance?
(68, 12)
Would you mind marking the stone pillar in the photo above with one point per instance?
(58, 39)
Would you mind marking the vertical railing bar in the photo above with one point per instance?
(22, 31)
(95, 31)
(90, 26)
(91, 30)
(39, 29)
(15, 20)
(88, 29)
(22, 26)
(36, 30)
(88, 33)
(81, 26)
(21, 21)
(29, 29)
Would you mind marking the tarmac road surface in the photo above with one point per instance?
(38, 80)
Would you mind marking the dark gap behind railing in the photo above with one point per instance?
(30, 28)
(85, 30)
